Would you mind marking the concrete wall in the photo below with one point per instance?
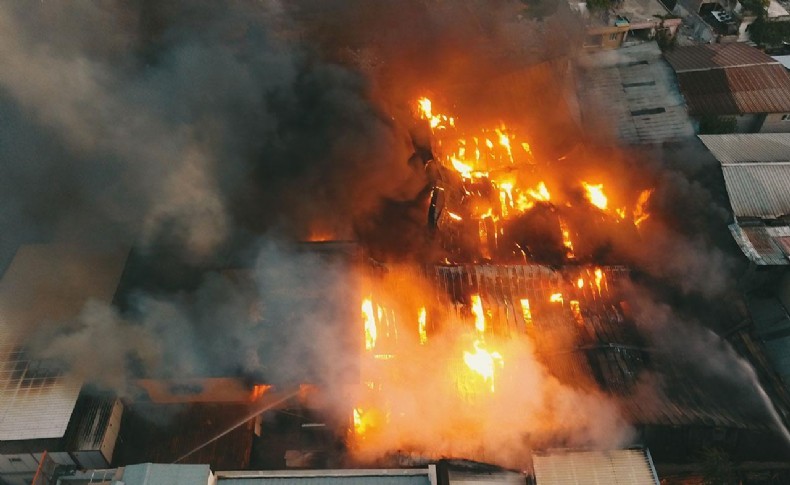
(747, 123)
(774, 124)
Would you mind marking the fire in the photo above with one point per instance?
(555, 298)
(258, 390)
(421, 325)
(566, 239)
(363, 420)
(483, 362)
(540, 193)
(462, 168)
(477, 311)
(370, 323)
(640, 212)
(598, 279)
(576, 311)
(595, 195)
(425, 109)
(526, 312)
(425, 106)
(454, 216)
(580, 283)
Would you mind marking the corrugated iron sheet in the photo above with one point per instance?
(597, 348)
(712, 56)
(756, 171)
(335, 480)
(761, 88)
(614, 87)
(758, 189)
(745, 148)
(764, 245)
(617, 467)
(155, 474)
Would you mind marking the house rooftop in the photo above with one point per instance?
(756, 171)
(568, 467)
(730, 79)
(634, 89)
(715, 56)
(642, 11)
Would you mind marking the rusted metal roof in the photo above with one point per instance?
(763, 245)
(715, 56)
(761, 88)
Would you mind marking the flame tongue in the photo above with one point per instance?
(483, 362)
(369, 320)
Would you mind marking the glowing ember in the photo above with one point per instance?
(595, 195)
(421, 325)
(477, 311)
(370, 323)
(454, 216)
(555, 298)
(483, 362)
(580, 283)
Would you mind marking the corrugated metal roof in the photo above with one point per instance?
(756, 147)
(328, 477)
(157, 474)
(597, 348)
(617, 467)
(350, 480)
(712, 56)
(763, 245)
(760, 189)
(761, 88)
(617, 84)
(756, 171)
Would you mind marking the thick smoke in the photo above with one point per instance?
(189, 124)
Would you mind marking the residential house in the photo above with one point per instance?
(629, 22)
(732, 88)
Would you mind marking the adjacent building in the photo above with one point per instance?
(45, 412)
(629, 22)
(756, 170)
(732, 88)
(634, 91)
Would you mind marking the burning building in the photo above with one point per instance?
(510, 280)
